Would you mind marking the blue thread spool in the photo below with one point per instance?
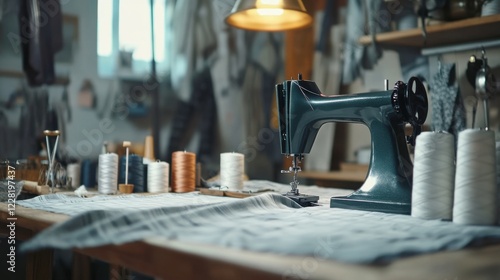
(135, 172)
(88, 173)
(145, 177)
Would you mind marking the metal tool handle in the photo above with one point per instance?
(51, 132)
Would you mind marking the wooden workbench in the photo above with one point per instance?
(169, 259)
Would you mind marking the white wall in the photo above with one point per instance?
(84, 66)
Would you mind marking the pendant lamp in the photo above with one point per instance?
(269, 15)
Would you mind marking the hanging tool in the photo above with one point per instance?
(473, 67)
(65, 100)
(485, 86)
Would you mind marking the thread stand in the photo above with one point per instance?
(126, 188)
(51, 156)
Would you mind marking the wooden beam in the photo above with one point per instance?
(299, 48)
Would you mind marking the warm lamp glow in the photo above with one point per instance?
(269, 15)
(270, 12)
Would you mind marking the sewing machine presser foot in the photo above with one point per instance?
(303, 199)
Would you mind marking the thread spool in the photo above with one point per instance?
(433, 176)
(107, 178)
(145, 172)
(74, 172)
(475, 178)
(183, 171)
(88, 173)
(135, 172)
(232, 169)
(158, 178)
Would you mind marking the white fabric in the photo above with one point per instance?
(74, 205)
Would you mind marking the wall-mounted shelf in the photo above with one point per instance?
(350, 176)
(450, 33)
(16, 74)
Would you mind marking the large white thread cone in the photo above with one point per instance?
(475, 179)
(433, 176)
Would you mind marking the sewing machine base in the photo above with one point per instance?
(366, 203)
(303, 199)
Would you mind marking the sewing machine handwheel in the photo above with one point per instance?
(410, 100)
(416, 101)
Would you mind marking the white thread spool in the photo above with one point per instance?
(433, 176)
(73, 171)
(158, 178)
(107, 178)
(475, 179)
(232, 170)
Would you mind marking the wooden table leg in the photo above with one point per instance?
(39, 265)
(81, 267)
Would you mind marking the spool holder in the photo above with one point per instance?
(126, 188)
(51, 156)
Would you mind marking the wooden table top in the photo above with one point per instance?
(181, 260)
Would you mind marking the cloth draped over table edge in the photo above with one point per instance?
(269, 223)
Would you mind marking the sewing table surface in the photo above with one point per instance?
(172, 259)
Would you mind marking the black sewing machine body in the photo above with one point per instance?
(387, 188)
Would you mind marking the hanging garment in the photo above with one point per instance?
(199, 111)
(412, 62)
(326, 75)
(261, 143)
(226, 72)
(357, 57)
(40, 29)
(194, 41)
(448, 110)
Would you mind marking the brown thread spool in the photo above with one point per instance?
(183, 172)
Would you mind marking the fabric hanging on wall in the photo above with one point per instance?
(448, 110)
(226, 71)
(258, 89)
(357, 57)
(193, 42)
(40, 29)
(259, 79)
(327, 77)
(412, 62)
(200, 110)
(194, 46)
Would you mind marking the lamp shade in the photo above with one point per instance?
(269, 15)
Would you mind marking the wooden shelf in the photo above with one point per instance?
(349, 176)
(456, 32)
(17, 74)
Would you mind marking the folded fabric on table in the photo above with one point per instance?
(269, 223)
(74, 205)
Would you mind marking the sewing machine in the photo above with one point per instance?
(303, 109)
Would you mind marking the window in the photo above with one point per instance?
(124, 27)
